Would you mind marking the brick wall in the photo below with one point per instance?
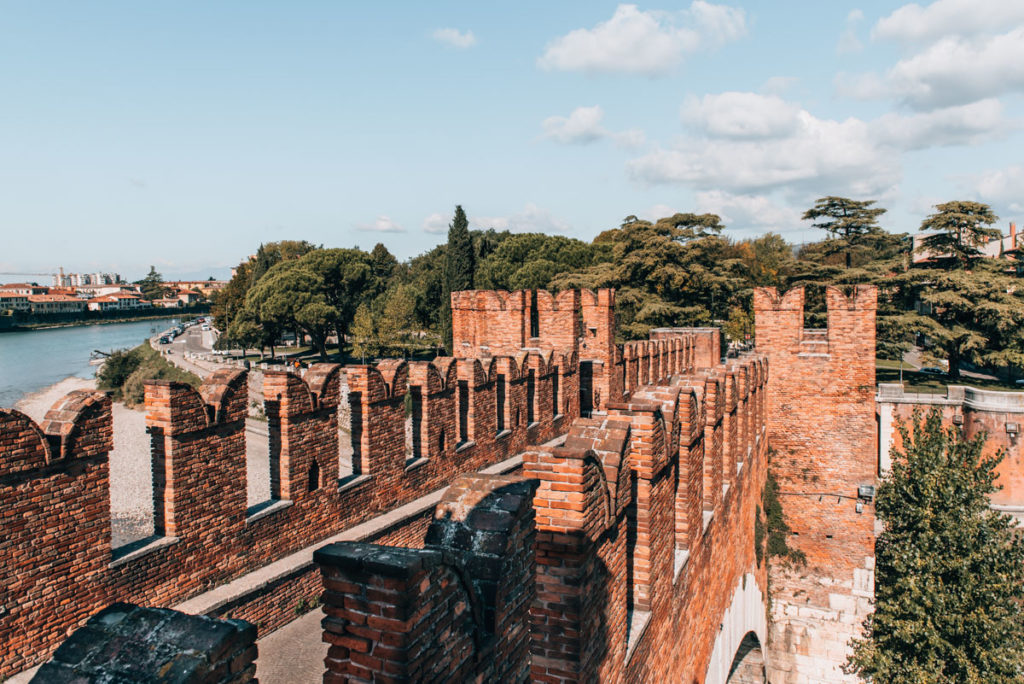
(1000, 415)
(821, 425)
(58, 544)
(451, 610)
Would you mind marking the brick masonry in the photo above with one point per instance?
(821, 426)
(643, 519)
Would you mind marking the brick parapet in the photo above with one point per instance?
(453, 610)
(205, 535)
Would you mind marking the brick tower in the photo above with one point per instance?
(822, 429)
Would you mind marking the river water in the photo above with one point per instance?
(35, 359)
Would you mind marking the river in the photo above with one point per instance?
(34, 359)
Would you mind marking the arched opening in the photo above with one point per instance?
(748, 663)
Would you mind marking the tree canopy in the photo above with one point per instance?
(949, 571)
(459, 269)
(848, 222)
(961, 228)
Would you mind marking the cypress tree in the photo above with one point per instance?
(949, 578)
(459, 269)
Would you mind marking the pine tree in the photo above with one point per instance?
(849, 222)
(962, 227)
(459, 269)
(949, 578)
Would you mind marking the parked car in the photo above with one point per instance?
(164, 339)
(932, 370)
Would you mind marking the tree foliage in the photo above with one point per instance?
(459, 269)
(961, 228)
(152, 286)
(949, 577)
(848, 222)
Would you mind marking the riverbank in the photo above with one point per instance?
(153, 315)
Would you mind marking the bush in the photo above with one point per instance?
(116, 369)
(133, 367)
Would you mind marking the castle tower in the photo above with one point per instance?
(821, 426)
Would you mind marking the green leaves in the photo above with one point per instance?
(961, 229)
(949, 576)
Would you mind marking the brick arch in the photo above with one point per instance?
(395, 373)
(24, 444)
(447, 370)
(226, 392)
(324, 382)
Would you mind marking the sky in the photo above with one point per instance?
(182, 135)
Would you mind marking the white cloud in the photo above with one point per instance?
(658, 211)
(531, 219)
(435, 223)
(848, 41)
(912, 22)
(963, 125)
(644, 42)
(741, 115)
(583, 126)
(951, 71)
(383, 224)
(454, 38)
(1002, 187)
(749, 210)
(751, 144)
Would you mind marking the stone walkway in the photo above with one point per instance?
(293, 654)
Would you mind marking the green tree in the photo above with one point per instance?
(530, 260)
(949, 571)
(290, 297)
(459, 269)
(961, 229)
(365, 336)
(152, 286)
(848, 222)
(346, 278)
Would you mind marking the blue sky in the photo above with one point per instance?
(184, 134)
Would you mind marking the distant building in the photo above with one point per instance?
(168, 303)
(203, 287)
(23, 289)
(56, 304)
(188, 297)
(61, 279)
(13, 302)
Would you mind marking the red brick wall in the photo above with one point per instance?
(993, 422)
(60, 540)
(453, 609)
(821, 426)
(55, 518)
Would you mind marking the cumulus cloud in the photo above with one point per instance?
(848, 41)
(531, 219)
(749, 210)
(583, 126)
(914, 23)
(741, 115)
(751, 144)
(644, 42)
(963, 125)
(383, 224)
(962, 52)
(454, 38)
(1002, 187)
(435, 223)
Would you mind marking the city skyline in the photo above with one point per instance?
(184, 138)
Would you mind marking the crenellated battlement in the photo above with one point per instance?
(464, 414)
(633, 577)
